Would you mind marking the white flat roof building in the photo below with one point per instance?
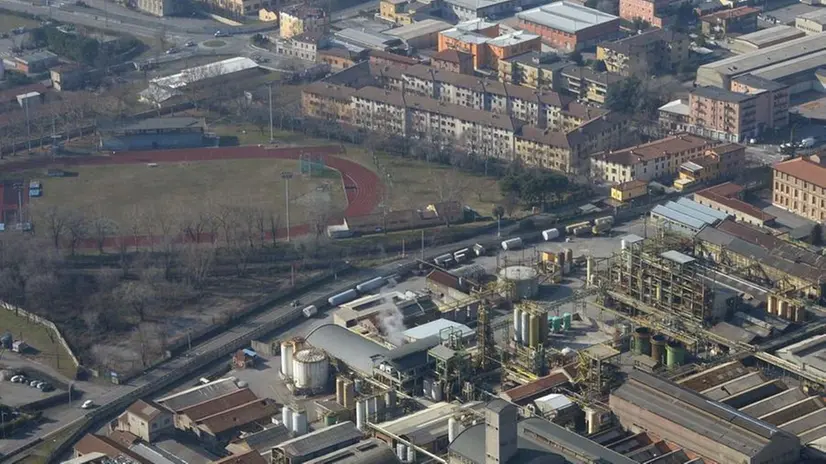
(163, 88)
(566, 16)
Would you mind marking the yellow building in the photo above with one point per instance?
(397, 11)
(534, 70)
(302, 19)
(629, 190)
(800, 187)
(267, 16)
(652, 51)
(722, 160)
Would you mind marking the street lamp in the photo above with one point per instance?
(287, 175)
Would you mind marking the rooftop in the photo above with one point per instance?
(540, 60)
(266, 439)
(632, 42)
(656, 149)
(512, 38)
(215, 405)
(36, 56)
(371, 451)
(335, 436)
(725, 195)
(425, 426)
(238, 416)
(803, 64)
(758, 82)
(676, 107)
(818, 16)
(250, 457)
(181, 400)
(367, 38)
(716, 93)
(771, 36)
(758, 59)
(450, 55)
(420, 28)
(475, 5)
(566, 16)
(730, 14)
(170, 123)
(438, 327)
(805, 170)
(678, 217)
(537, 387)
(91, 443)
(351, 348)
(144, 410)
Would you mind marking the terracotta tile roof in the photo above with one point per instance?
(123, 438)
(652, 150)
(451, 56)
(735, 204)
(750, 234)
(728, 14)
(219, 404)
(381, 54)
(726, 189)
(238, 416)
(144, 410)
(805, 170)
(250, 457)
(631, 184)
(447, 279)
(338, 92)
(11, 94)
(92, 443)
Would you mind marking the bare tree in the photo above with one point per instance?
(138, 296)
(196, 261)
(56, 222)
(101, 229)
(77, 228)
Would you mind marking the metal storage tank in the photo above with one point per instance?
(361, 410)
(556, 324)
(524, 280)
(674, 355)
(472, 271)
(287, 417)
(371, 284)
(437, 391)
(512, 244)
(523, 331)
(544, 327)
(642, 341)
(287, 358)
(343, 297)
(517, 324)
(311, 369)
(550, 234)
(658, 348)
(401, 451)
(567, 318)
(299, 423)
(411, 454)
(534, 330)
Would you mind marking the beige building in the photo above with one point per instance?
(752, 106)
(300, 19)
(651, 52)
(303, 46)
(158, 7)
(813, 22)
(772, 105)
(653, 160)
(328, 102)
(241, 7)
(534, 70)
(799, 186)
(586, 84)
(145, 420)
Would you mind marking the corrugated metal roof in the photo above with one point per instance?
(436, 327)
(566, 16)
(199, 394)
(347, 346)
(721, 216)
(677, 217)
(372, 451)
(342, 434)
(706, 218)
(677, 257)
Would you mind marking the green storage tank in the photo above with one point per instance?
(566, 321)
(674, 355)
(642, 341)
(330, 419)
(556, 323)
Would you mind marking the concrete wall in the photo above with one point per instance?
(151, 142)
(44, 322)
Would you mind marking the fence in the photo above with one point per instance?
(45, 323)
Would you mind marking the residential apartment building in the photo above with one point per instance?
(484, 42)
(799, 186)
(651, 11)
(158, 7)
(585, 84)
(716, 163)
(383, 58)
(772, 100)
(300, 19)
(328, 102)
(722, 115)
(145, 420)
(728, 198)
(674, 117)
(654, 160)
(339, 57)
(655, 51)
(569, 26)
(628, 191)
(303, 46)
(241, 7)
(453, 61)
(737, 20)
(397, 11)
(536, 70)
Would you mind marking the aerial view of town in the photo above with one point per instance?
(412, 231)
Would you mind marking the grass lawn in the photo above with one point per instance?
(410, 183)
(44, 345)
(118, 192)
(9, 22)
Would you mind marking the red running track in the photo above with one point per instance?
(362, 186)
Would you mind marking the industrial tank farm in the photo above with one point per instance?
(524, 281)
(311, 370)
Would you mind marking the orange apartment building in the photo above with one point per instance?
(647, 10)
(569, 26)
(483, 41)
(328, 102)
(721, 114)
(799, 186)
(772, 99)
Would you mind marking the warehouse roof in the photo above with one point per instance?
(238, 416)
(676, 216)
(349, 347)
(419, 29)
(216, 405)
(537, 387)
(266, 439)
(802, 64)
(759, 82)
(771, 36)
(723, 424)
(729, 14)
(438, 327)
(250, 457)
(537, 439)
(145, 410)
(367, 38)
(758, 59)
(566, 16)
(695, 213)
(425, 426)
(719, 215)
(341, 434)
(372, 451)
(628, 44)
(199, 394)
(817, 16)
(475, 5)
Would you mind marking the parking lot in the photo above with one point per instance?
(17, 395)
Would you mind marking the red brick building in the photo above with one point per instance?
(569, 26)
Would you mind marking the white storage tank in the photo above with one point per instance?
(299, 423)
(287, 417)
(311, 369)
(512, 244)
(401, 451)
(470, 271)
(523, 279)
(525, 328)
(550, 234)
(517, 325)
(361, 409)
(287, 358)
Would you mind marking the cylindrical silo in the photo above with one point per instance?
(311, 369)
(642, 341)
(674, 355)
(523, 280)
(543, 328)
(287, 359)
(658, 348)
(569, 255)
(567, 318)
(401, 451)
(390, 399)
(299, 423)
(361, 409)
(556, 324)
(437, 391)
(287, 417)
(340, 390)
(411, 454)
(452, 429)
(589, 270)
(526, 323)
(534, 331)
(517, 324)
(772, 304)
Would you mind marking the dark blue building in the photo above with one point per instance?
(155, 133)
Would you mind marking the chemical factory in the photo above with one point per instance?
(588, 342)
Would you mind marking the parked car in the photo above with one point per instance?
(45, 387)
(34, 383)
(88, 404)
(191, 43)
(18, 379)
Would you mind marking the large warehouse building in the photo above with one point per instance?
(792, 63)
